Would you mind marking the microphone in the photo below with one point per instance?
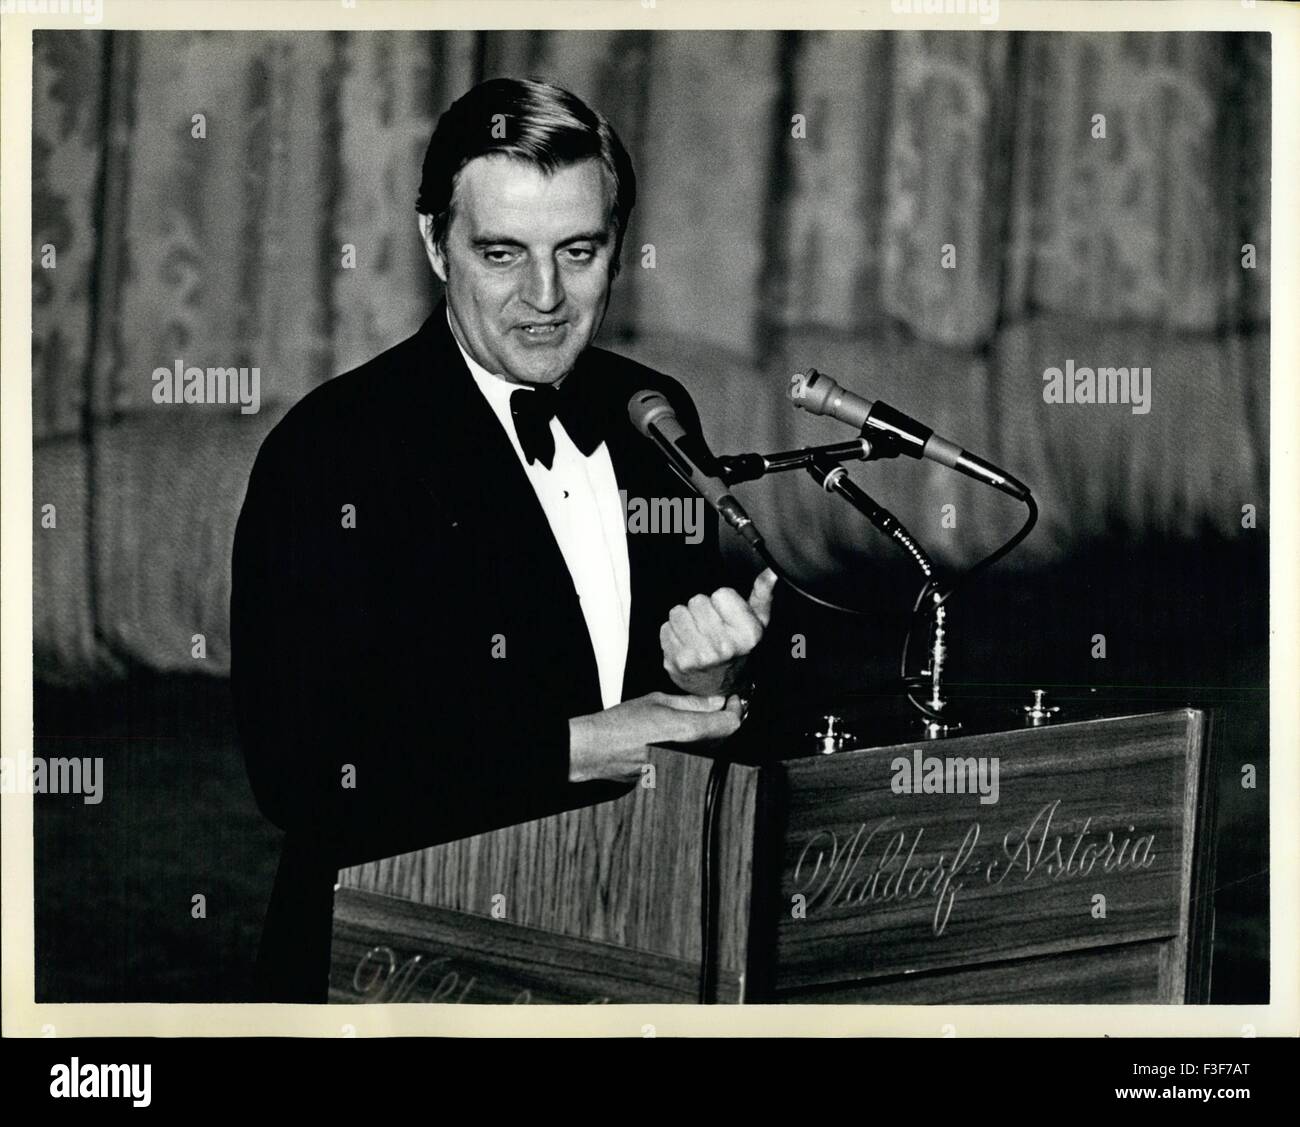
(819, 394)
(655, 418)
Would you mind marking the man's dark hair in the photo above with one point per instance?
(528, 120)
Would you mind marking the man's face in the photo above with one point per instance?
(526, 262)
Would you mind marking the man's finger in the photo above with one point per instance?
(688, 703)
(669, 640)
(692, 639)
(724, 721)
(708, 726)
(743, 625)
(707, 619)
(760, 598)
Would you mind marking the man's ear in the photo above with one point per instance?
(433, 252)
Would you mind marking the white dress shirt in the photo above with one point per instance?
(579, 495)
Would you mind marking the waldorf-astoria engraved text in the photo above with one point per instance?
(384, 975)
(885, 862)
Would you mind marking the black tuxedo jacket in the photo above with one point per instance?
(409, 680)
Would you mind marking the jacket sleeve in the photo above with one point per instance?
(354, 752)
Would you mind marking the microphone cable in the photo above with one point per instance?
(896, 531)
(930, 587)
(837, 480)
(709, 887)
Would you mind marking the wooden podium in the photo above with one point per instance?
(859, 876)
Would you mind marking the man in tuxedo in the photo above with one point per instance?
(440, 621)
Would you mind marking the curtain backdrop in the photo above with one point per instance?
(798, 190)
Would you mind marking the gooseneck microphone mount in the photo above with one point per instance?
(824, 465)
(885, 433)
(834, 478)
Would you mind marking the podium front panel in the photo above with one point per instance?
(1075, 871)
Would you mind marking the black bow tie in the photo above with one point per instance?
(533, 411)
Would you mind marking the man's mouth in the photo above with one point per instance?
(541, 328)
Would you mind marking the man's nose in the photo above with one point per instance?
(543, 288)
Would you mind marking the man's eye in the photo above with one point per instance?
(579, 254)
(499, 256)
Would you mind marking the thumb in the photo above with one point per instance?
(760, 598)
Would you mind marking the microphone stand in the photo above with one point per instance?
(732, 468)
(823, 464)
(834, 478)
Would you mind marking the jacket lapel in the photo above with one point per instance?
(451, 441)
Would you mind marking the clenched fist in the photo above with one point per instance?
(706, 642)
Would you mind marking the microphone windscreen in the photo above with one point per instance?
(818, 394)
(814, 392)
(800, 383)
(648, 407)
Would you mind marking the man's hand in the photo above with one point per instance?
(613, 744)
(706, 642)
